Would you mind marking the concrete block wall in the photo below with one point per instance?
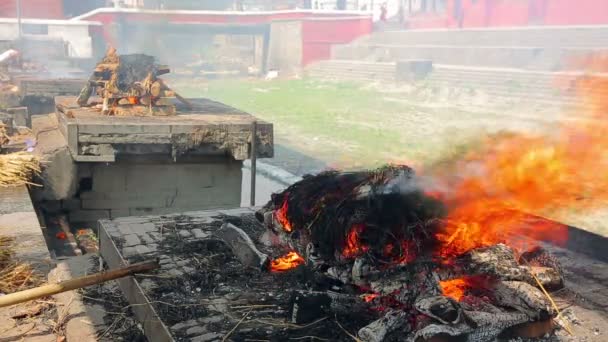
(133, 189)
(532, 48)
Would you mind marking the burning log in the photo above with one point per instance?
(382, 213)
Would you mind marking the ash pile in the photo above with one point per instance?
(372, 242)
(129, 85)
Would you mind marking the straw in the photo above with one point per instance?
(18, 168)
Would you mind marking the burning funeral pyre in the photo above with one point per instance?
(379, 243)
(129, 86)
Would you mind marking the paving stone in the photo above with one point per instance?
(182, 325)
(207, 337)
(142, 249)
(147, 284)
(181, 262)
(131, 240)
(165, 260)
(196, 330)
(175, 273)
(189, 270)
(142, 228)
(212, 319)
(147, 239)
(129, 251)
(168, 266)
(200, 234)
(184, 233)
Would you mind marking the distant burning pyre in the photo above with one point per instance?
(129, 86)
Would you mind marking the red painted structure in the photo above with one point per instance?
(44, 9)
(320, 29)
(318, 35)
(501, 13)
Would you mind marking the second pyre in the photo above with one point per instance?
(374, 239)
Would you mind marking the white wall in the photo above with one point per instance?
(76, 34)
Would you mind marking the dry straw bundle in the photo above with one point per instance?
(3, 134)
(14, 276)
(18, 168)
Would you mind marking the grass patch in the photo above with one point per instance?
(345, 124)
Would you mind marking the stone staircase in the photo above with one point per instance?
(540, 87)
(529, 63)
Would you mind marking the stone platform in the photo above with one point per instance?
(209, 128)
(202, 293)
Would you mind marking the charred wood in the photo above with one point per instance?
(242, 246)
(391, 322)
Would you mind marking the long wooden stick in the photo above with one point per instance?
(76, 283)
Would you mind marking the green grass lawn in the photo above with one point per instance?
(351, 126)
(347, 125)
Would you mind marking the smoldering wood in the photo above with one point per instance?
(391, 322)
(524, 298)
(499, 261)
(386, 204)
(443, 309)
(308, 306)
(242, 246)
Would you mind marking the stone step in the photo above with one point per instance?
(536, 58)
(552, 36)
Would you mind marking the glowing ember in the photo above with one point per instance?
(402, 254)
(133, 100)
(369, 297)
(454, 288)
(353, 246)
(517, 175)
(281, 216)
(286, 262)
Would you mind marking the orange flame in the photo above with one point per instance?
(457, 288)
(369, 297)
(353, 247)
(281, 216)
(454, 288)
(498, 187)
(133, 100)
(286, 262)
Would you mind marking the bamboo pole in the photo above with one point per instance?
(76, 283)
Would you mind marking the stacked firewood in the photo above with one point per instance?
(129, 85)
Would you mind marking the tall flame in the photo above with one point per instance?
(498, 187)
(281, 216)
(353, 246)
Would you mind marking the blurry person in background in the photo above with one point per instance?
(383, 12)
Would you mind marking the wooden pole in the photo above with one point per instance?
(19, 26)
(254, 158)
(76, 283)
